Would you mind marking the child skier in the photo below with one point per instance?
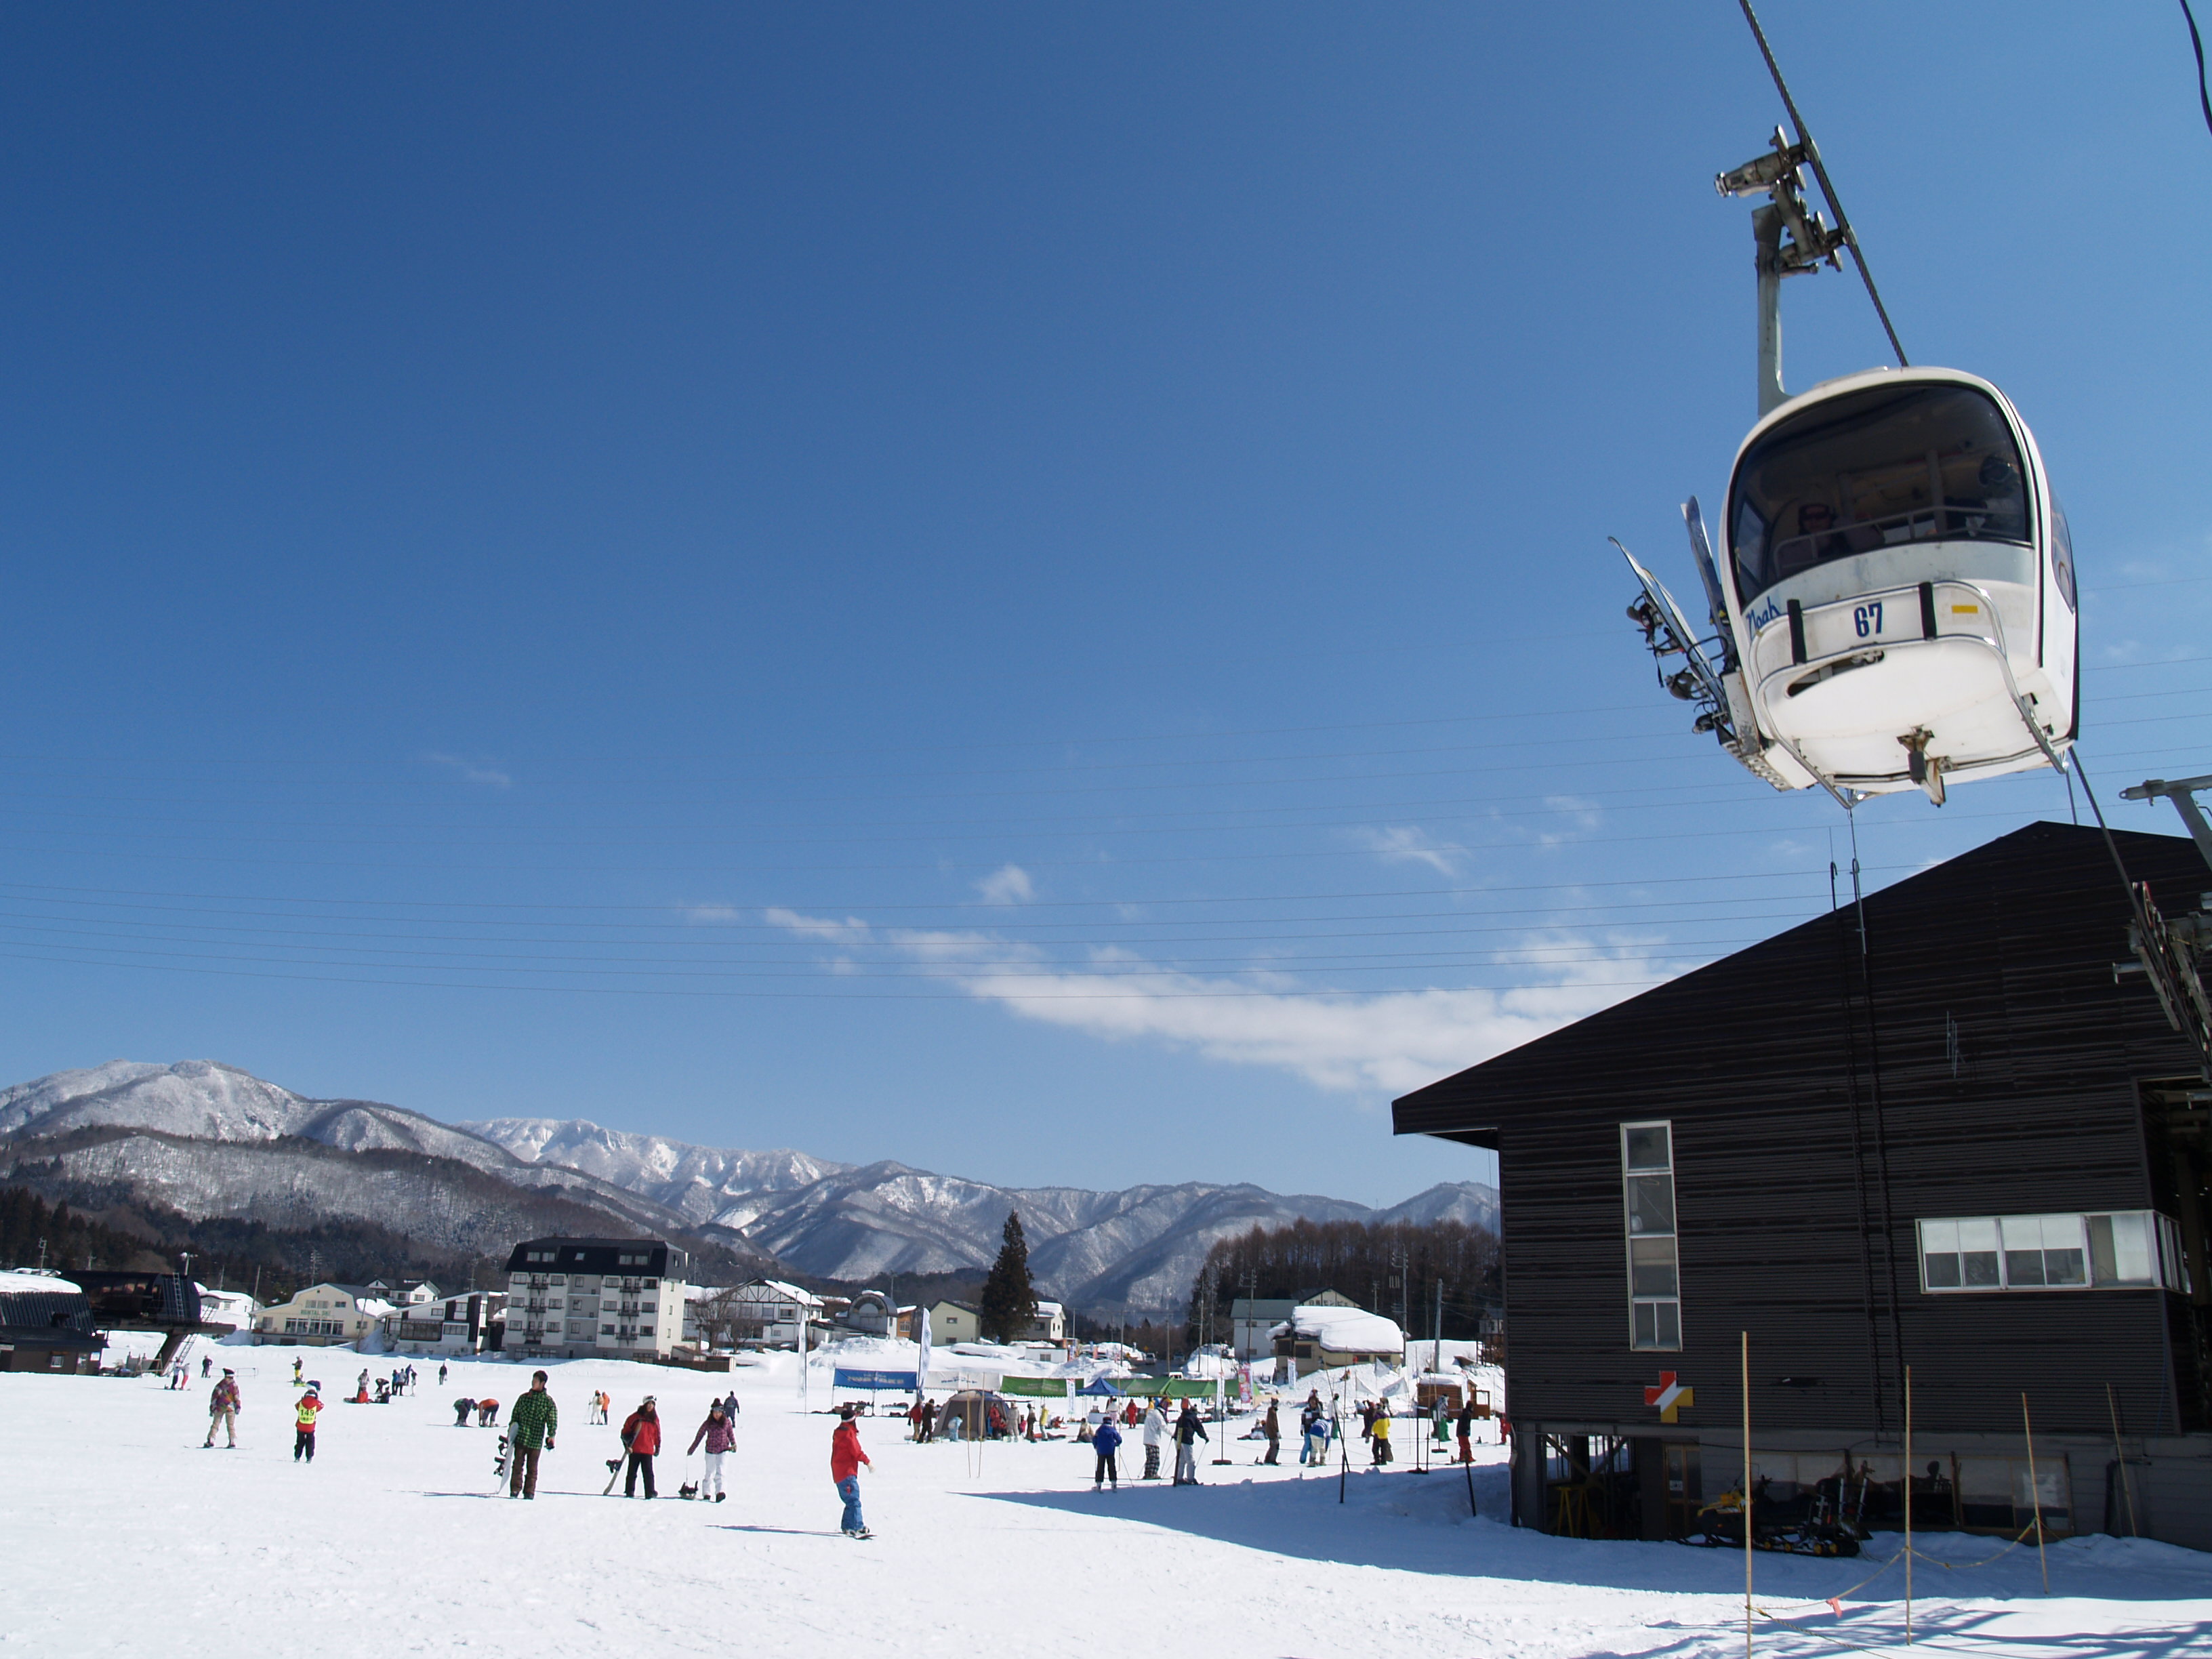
(715, 1431)
(303, 1425)
(1106, 1440)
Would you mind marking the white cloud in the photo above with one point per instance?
(1385, 1042)
(1008, 884)
(709, 915)
(474, 771)
(827, 931)
(1406, 844)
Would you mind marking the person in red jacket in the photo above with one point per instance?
(640, 1434)
(845, 1460)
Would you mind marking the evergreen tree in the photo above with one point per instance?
(1009, 1300)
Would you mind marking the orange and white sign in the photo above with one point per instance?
(1671, 1396)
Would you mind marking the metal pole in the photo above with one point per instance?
(1747, 1495)
(1907, 1485)
(2035, 1495)
(1766, 234)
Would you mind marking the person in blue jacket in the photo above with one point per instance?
(1106, 1440)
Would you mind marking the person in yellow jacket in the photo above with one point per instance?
(1381, 1437)
(303, 1424)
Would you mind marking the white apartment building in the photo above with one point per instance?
(608, 1299)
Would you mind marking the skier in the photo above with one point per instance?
(487, 1413)
(1106, 1440)
(462, 1407)
(1273, 1428)
(207, 1364)
(641, 1438)
(1467, 1429)
(303, 1424)
(223, 1407)
(1313, 1430)
(845, 1460)
(441, 1376)
(1156, 1425)
(298, 1371)
(1188, 1431)
(715, 1431)
(529, 1429)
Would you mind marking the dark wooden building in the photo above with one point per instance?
(1976, 1151)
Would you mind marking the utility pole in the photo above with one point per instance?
(187, 1256)
(1437, 1363)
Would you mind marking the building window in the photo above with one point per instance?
(2116, 1250)
(1647, 1179)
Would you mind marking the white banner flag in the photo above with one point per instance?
(922, 1337)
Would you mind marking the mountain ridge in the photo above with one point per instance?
(207, 1137)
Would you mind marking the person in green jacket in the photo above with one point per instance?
(530, 1427)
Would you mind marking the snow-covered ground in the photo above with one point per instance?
(120, 1531)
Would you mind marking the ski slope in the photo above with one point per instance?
(121, 1533)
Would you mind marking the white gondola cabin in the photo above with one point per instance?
(1903, 579)
(1893, 607)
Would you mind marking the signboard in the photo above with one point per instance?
(1043, 1388)
(873, 1381)
(987, 1381)
(1169, 1388)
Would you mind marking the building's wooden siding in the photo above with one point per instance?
(1754, 1059)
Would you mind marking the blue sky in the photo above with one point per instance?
(1020, 589)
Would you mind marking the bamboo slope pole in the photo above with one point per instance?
(2035, 1495)
(1907, 1485)
(1747, 1495)
(2120, 1458)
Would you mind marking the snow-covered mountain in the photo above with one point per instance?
(211, 1140)
(1138, 1248)
(705, 1183)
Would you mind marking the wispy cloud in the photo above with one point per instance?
(474, 771)
(1008, 884)
(825, 930)
(1384, 1041)
(713, 916)
(1409, 844)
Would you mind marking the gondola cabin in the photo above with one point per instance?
(1904, 589)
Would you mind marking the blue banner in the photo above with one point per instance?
(874, 1381)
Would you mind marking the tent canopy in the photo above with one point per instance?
(1100, 1385)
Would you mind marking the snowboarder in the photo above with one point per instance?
(845, 1460)
(462, 1408)
(715, 1431)
(1106, 1440)
(928, 1409)
(530, 1428)
(487, 1413)
(1188, 1431)
(303, 1425)
(1272, 1426)
(1155, 1425)
(641, 1438)
(223, 1407)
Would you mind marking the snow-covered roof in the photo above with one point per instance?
(1046, 1310)
(26, 1283)
(788, 1292)
(1344, 1330)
